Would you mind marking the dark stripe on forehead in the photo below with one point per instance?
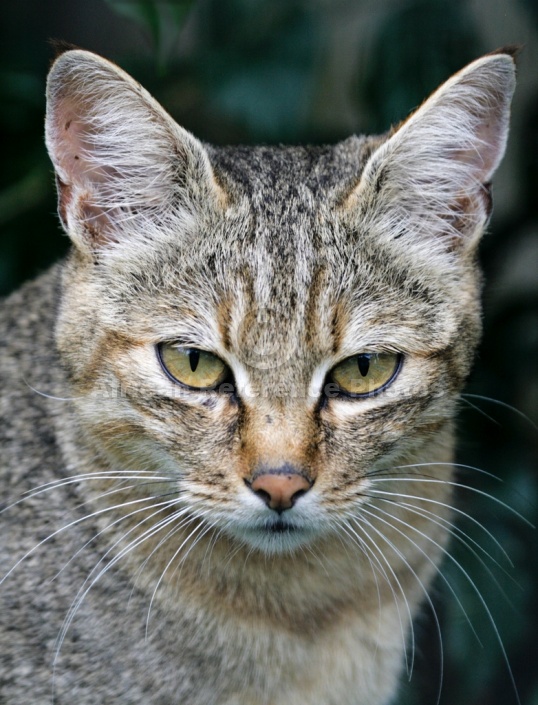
(224, 321)
(313, 324)
(323, 169)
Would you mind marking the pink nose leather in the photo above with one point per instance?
(280, 491)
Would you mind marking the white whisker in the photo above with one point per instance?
(369, 552)
(451, 508)
(184, 522)
(460, 536)
(466, 575)
(69, 526)
(362, 520)
(162, 505)
(479, 410)
(207, 528)
(83, 591)
(505, 406)
(85, 477)
(451, 483)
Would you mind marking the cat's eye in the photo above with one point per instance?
(366, 374)
(191, 367)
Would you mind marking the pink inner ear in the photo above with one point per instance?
(73, 144)
(79, 173)
(97, 223)
(490, 143)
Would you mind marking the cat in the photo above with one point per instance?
(228, 415)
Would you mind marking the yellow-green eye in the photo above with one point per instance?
(366, 374)
(192, 367)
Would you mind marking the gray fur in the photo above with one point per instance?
(283, 262)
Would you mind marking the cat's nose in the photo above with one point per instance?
(280, 487)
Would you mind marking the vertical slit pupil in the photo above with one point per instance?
(363, 361)
(194, 358)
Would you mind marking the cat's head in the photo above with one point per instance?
(270, 327)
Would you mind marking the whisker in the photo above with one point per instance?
(479, 410)
(47, 396)
(83, 591)
(121, 487)
(435, 543)
(451, 508)
(362, 519)
(504, 405)
(412, 466)
(69, 526)
(161, 543)
(207, 528)
(358, 541)
(464, 539)
(318, 559)
(73, 479)
(210, 547)
(235, 551)
(453, 483)
(163, 505)
(467, 576)
(365, 547)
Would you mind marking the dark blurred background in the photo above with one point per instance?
(245, 71)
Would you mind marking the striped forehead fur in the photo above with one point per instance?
(279, 256)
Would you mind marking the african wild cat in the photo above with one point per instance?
(232, 405)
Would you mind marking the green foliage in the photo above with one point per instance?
(447, 42)
(161, 20)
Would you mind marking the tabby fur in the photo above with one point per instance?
(140, 567)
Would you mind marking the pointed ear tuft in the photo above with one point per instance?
(60, 46)
(512, 50)
(430, 180)
(124, 168)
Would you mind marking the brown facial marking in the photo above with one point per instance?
(111, 346)
(285, 442)
(337, 327)
(223, 322)
(111, 430)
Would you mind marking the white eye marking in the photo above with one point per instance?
(315, 390)
(243, 384)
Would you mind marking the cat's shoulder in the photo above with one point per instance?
(30, 311)
(28, 376)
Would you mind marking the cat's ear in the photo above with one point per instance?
(123, 167)
(431, 178)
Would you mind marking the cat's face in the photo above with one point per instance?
(269, 329)
(283, 315)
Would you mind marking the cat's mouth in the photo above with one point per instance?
(280, 527)
(275, 534)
